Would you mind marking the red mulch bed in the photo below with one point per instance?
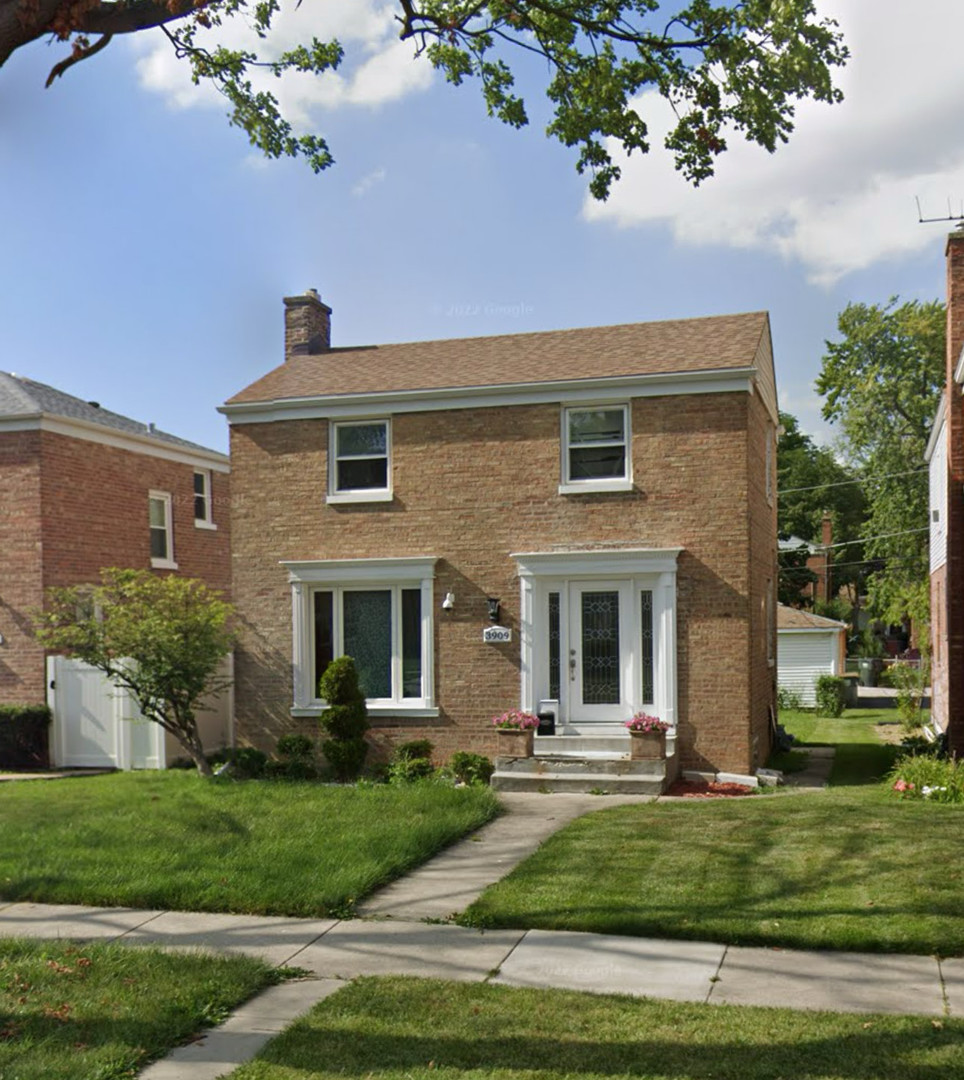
(700, 789)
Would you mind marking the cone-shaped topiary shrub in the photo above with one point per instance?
(345, 719)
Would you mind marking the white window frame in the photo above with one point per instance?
(339, 576)
(357, 495)
(206, 522)
(569, 486)
(163, 497)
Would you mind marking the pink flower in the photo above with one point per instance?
(902, 785)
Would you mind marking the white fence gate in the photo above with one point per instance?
(95, 724)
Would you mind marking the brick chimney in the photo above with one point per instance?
(953, 660)
(307, 325)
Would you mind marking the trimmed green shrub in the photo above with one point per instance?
(831, 695)
(910, 682)
(295, 745)
(414, 749)
(345, 719)
(408, 770)
(24, 736)
(248, 763)
(788, 699)
(469, 768)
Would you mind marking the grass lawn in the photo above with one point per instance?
(861, 758)
(174, 840)
(852, 867)
(410, 1029)
(101, 1012)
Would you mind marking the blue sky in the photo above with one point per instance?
(145, 249)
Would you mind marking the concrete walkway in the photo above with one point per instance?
(394, 938)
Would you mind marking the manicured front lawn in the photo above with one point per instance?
(409, 1029)
(173, 840)
(861, 758)
(101, 1012)
(847, 868)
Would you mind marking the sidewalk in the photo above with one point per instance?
(392, 938)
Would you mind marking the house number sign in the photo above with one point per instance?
(496, 634)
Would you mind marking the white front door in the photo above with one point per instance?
(602, 649)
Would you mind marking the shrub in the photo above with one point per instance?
(295, 745)
(408, 770)
(910, 682)
(345, 719)
(469, 768)
(23, 736)
(248, 763)
(413, 750)
(923, 776)
(831, 695)
(788, 699)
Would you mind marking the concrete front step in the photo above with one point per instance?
(566, 765)
(589, 746)
(603, 783)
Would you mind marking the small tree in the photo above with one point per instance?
(345, 719)
(160, 638)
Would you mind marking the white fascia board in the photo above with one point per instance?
(937, 430)
(812, 629)
(568, 391)
(599, 563)
(333, 571)
(121, 440)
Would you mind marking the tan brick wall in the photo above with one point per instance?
(472, 486)
(72, 507)
(21, 592)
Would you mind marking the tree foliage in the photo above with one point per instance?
(811, 482)
(160, 638)
(736, 66)
(882, 383)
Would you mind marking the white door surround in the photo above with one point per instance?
(598, 634)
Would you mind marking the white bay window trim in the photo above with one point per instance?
(338, 575)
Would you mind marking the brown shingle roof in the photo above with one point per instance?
(789, 618)
(714, 343)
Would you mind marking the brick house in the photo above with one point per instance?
(83, 488)
(605, 496)
(945, 457)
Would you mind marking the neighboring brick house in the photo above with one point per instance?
(82, 488)
(606, 495)
(945, 456)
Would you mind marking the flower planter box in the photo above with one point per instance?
(514, 742)
(647, 745)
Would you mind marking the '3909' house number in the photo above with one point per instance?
(496, 634)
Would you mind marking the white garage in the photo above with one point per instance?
(808, 646)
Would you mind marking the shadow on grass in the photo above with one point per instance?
(642, 1038)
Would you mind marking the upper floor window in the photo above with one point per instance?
(360, 455)
(162, 530)
(203, 514)
(595, 451)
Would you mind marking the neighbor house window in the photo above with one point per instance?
(378, 612)
(203, 516)
(162, 530)
(360, 461)
(595, 448)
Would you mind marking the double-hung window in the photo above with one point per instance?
(361, 461)
(203, 513)
(595, 449)
(378, 612)
(161, 530)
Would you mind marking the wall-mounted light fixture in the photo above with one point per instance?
(494, 605)
(449, 602)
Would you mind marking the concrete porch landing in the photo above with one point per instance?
(588, 764)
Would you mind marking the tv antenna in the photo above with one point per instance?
(949, 216)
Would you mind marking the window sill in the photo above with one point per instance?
(205, 525)
(373, 710)
(163, 564)
(589, 487)
(360, 497)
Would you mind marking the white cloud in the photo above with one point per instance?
(840, 195)
(363, 186)
(377, 67)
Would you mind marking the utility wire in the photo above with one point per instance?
(817, 548)
(855, 480)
